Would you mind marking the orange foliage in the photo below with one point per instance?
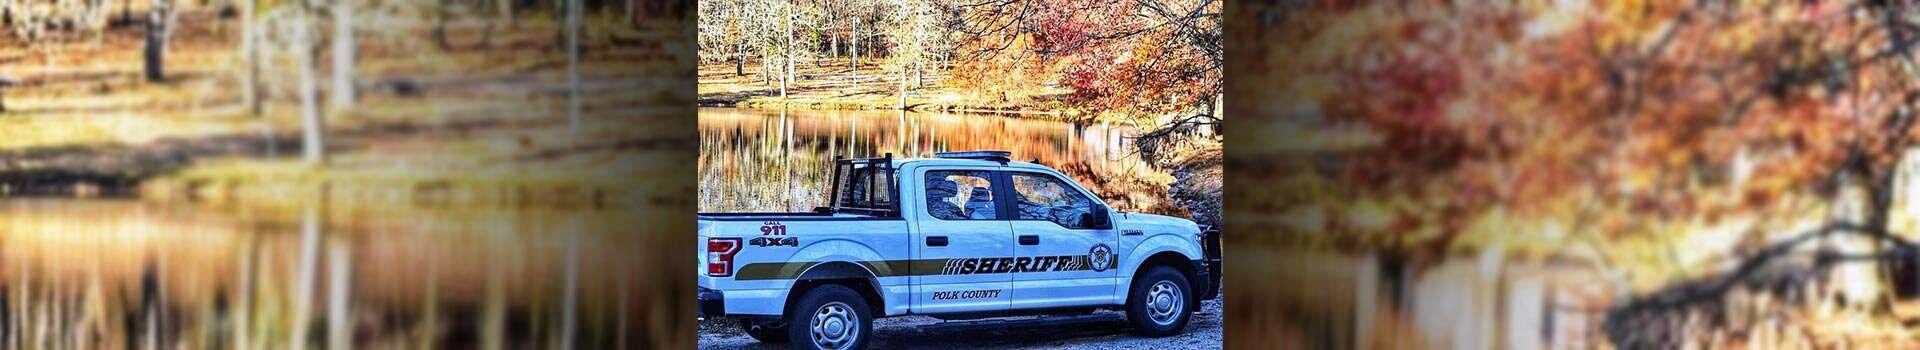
(1661, 109)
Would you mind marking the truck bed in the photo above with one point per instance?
(792, 216)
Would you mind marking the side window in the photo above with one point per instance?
(960, 195)
(1044, 197)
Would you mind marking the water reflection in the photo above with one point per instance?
(125, 274)
(772, 160)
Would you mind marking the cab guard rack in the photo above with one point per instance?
(854, 184)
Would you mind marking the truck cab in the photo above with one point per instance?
(960, 235)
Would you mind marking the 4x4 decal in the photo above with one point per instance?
(774, 242)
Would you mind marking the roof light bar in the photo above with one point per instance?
(984, 155)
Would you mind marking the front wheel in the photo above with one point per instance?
(1160, 304)
(830, 317)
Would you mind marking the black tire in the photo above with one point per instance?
(1160, 319)
(771, 331)
(827, 301)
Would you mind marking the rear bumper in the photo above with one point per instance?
(713, 303)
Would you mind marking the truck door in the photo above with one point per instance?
(960, 244)
(1066, 258)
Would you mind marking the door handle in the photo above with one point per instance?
(936, 241)
(1030, 240)
(1130, 233)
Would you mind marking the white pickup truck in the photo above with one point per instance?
(964, 235)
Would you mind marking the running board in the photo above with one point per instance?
(1050, 320)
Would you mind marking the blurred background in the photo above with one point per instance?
(290, 174)
(1572, 174)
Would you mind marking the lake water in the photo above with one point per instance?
(122, 273)
(773, 160)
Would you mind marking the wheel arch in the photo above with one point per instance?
(853, 276)
(1177, 260)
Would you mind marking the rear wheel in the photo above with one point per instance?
(1160, 303)
(766, 331)
(830, 317)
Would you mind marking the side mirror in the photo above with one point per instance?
(1099, 217)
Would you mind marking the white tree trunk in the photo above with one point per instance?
(903, 87)
(313, 145)
(786, 49)
(249, 52)
(573, 66)
(343, 55)
(853, 53)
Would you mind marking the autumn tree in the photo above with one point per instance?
(1608, 119)
(915, 37)
(1142, 58)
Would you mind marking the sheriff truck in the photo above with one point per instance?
(963, 235)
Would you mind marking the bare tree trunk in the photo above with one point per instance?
(833, 41)
(786, 50)
(343, 55)
(573, 65)
(853, 53)
(249, 50)
(313, 146)
(440, 23)
(159, 33)
(903, 87)
(505, 7)
(740, 48)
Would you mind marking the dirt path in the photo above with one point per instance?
(1107, 330)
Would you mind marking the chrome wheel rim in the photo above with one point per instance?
(834, 326)
(1164, 303)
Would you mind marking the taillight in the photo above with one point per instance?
(720, 253)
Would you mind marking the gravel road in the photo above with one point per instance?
(1103, 330)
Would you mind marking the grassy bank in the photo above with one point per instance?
(830, 84)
